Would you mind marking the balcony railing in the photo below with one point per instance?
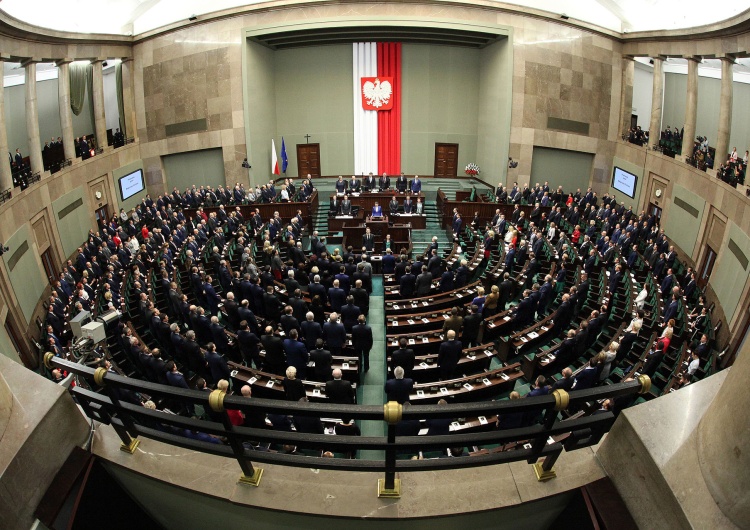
(546, 440)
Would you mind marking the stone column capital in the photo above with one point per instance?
(693, 58)
(727, 58)
(30, 60)
(98, 60)
(60, 62)
(126, 59)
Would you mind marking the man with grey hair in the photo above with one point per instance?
(339, 390)
(448, 355)
(398, 389)
(310, 331)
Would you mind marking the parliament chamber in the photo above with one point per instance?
(392, 264)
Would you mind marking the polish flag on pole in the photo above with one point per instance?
(274, 160)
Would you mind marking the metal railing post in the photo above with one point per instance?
(390, 486)
(250, 475)
(544, 470)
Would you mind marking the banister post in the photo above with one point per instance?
(250, 475)
(129, 444)
(544, 470)
(390, 486)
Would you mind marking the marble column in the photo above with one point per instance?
(128, 98)
(654, 129)
(32, 119)
(99, 119)
(66, 114)
(626, 98)
(723, 441)
(6, 174)
(725, 111)
(691, 107)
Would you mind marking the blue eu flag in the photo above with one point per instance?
(284, 159)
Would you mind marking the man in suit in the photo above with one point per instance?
(703, 349)
(370, 182)
(446, 282)
(393, 206)
(354, 185)
(362, 341)
(346, 206)
(398, 388)
(524, 311)
(666, 283)
(334, 334)
(615, 280)
(408, 205)
(424, 283)
(546, 292)
(455, 322)
(407, 285)
(401, 183)
(350, 313)
(384, 182)
(457, 224)
(340, 391)
(403, 357)
(296, 354)
(472, 323)
(368, 240)
(275, 361)
(563, 316)
(416, 185)
(462, 275)
(212, 299)
(272, 306)
(337, 296)
(311, 331)
(505, 293)
(217, 364)
(448, 355)
(248, 342)
(322, 359)
(671, 310)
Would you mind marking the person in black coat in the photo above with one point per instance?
(310, 331)
(294, 390)
(562, 316)
(217, 364)
(462, 275)
(399, 388)
(448, 355)
(362, 341)
(308, 424)
(339, 390)
(403, 357)
(407, 285)
(322, 359)
(334, 334)
(472, 323)
(275, 361)
(296, 353)
(350, 313)
(337, 296)
(248, 345)
(524, 311)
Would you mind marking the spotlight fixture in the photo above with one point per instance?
(193, 18)
(104, 64)
(512, 164)
(564, 16)
(246, 164)
(3, 249)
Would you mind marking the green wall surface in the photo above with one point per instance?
(729, 277)
(120, 172)
(493, 121)
(73, 227)
(204, 167)
(569, 169)
(259, 95)
(27, 274)
(6, 346)
(630, 168)
(314, 96)
(681, 226)
(440, 87)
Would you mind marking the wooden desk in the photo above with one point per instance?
(471, 388)
(472, 360)
(336, 224)
(270, 386)
(456, 297)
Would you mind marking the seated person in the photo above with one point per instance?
(377, 210)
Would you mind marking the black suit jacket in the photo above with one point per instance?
(398, 389)
(405, 359)
(340, 391)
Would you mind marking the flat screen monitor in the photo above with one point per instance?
(131, 184)
(624, 182)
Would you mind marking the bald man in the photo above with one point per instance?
(448, 356)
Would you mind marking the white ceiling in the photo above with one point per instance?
(133, 17)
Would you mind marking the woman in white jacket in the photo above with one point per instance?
(609, 356)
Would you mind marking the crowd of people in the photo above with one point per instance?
(238, 312)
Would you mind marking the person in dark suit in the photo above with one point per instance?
(384, 182)
(403, 357)
(566, 382)
(288, 322)
(439, 426)
(337, 296)
(361, 297)
(371, 182)
(653, 360)
(448, 355)
(407, 285)
(308, 424)
(546, 291)
(446, 282)
(248, 345)
(272, 306)
(505, 292)
(615, 280)
(566, 351)
(310, 331)
(401, 183)
(511, 420)
(217, 364)
(322, 359)
(362, 341)
(393, 206)
(346, 206)
(368, 240)
(589, 376)
(293, 387)
(296, 353)
(416, 185)
(524, 311)
(212, 299)
(563, 316)
(462, 275)
(275, 361)
(339, 390)
(472, 323)
(341, 185)
(671, 311)
(424, 283)
(334, 334)
(399, 388)
(457, 224)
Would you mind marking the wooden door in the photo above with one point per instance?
(446, 160)
(308, 160)
(704, 273)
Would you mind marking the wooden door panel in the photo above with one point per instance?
(308, 160)
(446, 160)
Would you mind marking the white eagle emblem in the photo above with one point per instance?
(377, 94)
